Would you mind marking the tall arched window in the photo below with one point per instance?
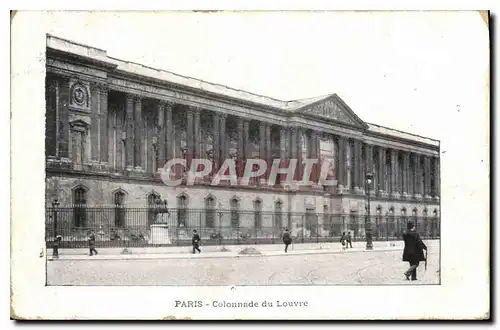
(235, 214)
(79, 207)
(210, 212)
(153, 198)
(257, 215)
(182, 210)
(278, 214)
(119, 200)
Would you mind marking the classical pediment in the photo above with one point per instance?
(332, 108)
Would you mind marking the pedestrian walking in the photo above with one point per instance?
(91, 240)
(348, 240)
(196, 242)
(343, 240)
(413, 251)
(57, 243)
(287, 239)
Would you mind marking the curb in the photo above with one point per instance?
(201, 256)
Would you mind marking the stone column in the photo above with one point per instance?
(427, 177)
(246, 139)
(169, 132)
(197, 132)
(283, 144)
(241, 148)
(359, 186)
(104, 131)
(406, 174)
(437, 179)
(293, 149)
(269, 154)
(223, 139)
(190, 137)
(313, 154)
(417, 177)
(369, 166)
(138, 127)
(300, 142)
(394, 174)
(129, 137)
(342, 174)
(216, 139)
(161, 135)
(262, 140)
(293, 144)
(381, 172)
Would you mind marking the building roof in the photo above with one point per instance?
(101, 56)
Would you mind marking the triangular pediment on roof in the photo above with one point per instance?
(334, 108)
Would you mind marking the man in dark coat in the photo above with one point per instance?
(196, 242)
(413, 251)
(348, 240)
(91, 240)
(287, 239)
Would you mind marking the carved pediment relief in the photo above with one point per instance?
(334, 109)
(330, 110)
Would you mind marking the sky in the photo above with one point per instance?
(390, 68)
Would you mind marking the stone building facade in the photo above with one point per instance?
(111, 124)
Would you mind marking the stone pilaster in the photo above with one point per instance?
(94, 123)
(129, 135)
(62, 96)
(437, 179)
(417, 177)
(104, 125)
(161, 134)
(382, 186)
(427, 177)
(394, 174)
(406, 174)
(169, 132)
(138, 128)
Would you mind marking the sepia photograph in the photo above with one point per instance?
(204, 149)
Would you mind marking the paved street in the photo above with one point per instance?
(374, 267)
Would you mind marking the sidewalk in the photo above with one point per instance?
(180, 252)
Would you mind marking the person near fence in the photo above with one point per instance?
(91, 241)
(57, 244)
(196, 241)
(413, 251)
(287, 239)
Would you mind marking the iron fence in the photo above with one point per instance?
(141, 227)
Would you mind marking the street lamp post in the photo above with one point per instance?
(368, 225)
(221, 241)
(55, 247)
